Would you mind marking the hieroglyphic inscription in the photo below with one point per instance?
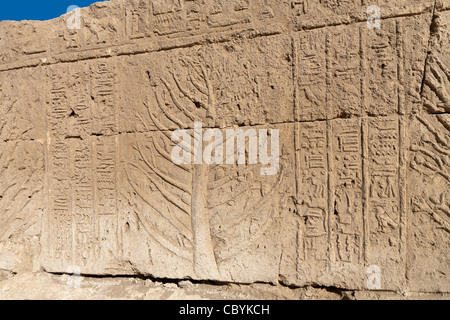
(59, 168)
(382, 51)
(337, 75)
(328, 69)
(137, 20)
(345, 76)
(105, 147)
(305, 13)
(105, 175)
(350, 195)
(383, 185)
(313, 162)
(82, 163)
(167, 17)
(225, 13)
(311, 76)
(175, 16)
(347, 220)
(104, 98)
(349, 72)
(80, 125)
(105, 150)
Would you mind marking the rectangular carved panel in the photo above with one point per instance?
(349, 209)
(428, 221)
(81, 153)
(214, 234)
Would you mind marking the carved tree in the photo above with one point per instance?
(6, 109)
(20, 169)
(432, 158)
(20, 174)
(436, 94)
(186, 96)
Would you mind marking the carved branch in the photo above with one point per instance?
(167, 156)
(443, 209)
(439, 149)
(440, 172)
(196, 84)
(177, 103)
(193, 99)
(259, 205)
(439, 137)
(445, 120)
(243, 189)
(167, 195)
(438, 79)
(429, 154)
(440, 205)
(8, 110)
(167, 114)
(14, 197)
(181, 227)
(438, 219)
(10, 198)
(179, 185)
(422, 205)
(168, 135)
(443, 67)
(240, 246)
(142, 121)
(155, 234)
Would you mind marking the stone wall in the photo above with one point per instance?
(88, 184)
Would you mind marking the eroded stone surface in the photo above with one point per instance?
(88, 183)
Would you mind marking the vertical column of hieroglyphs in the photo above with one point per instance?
(382, 69)
(59, 232)
(137, 19)
(105, 152)
(383, 194)
(70, 167)
(344, 56)
(345, 99)
(312, 235)
(346, 198)
(383, 136)
(311, 77)
(80, 125)
(311, 152)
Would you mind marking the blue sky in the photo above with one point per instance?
(37, 9)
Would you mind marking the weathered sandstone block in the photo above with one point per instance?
(347, 157)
